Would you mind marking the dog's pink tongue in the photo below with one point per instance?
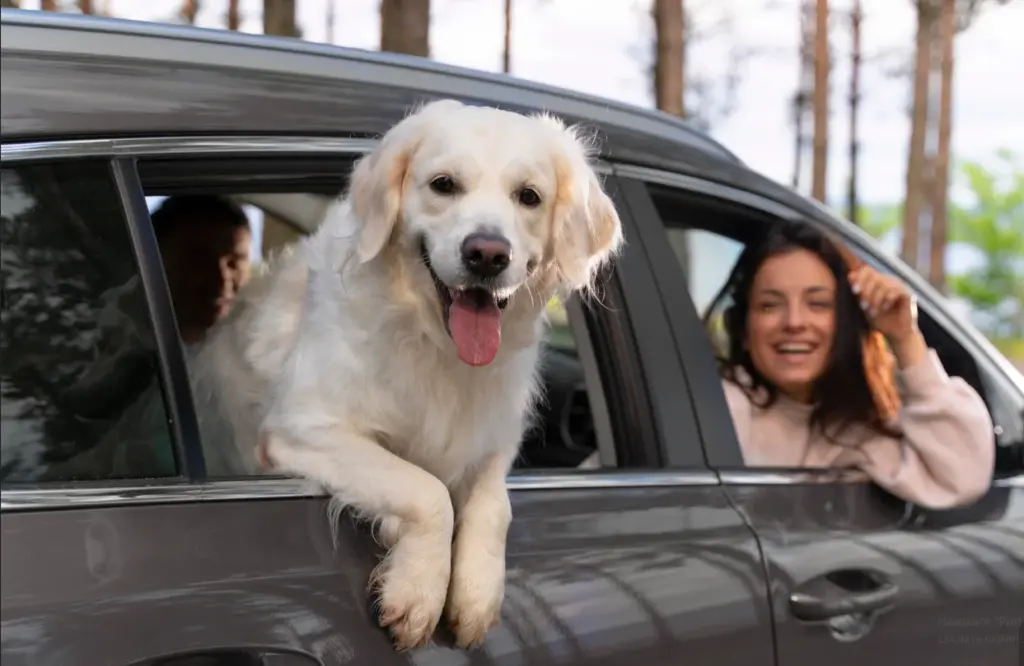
(475, 327)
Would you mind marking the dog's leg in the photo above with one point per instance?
(411, 583)
(483, 514)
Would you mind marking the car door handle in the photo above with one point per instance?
(232, 657)
(843, 592)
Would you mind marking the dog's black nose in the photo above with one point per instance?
(486, 255)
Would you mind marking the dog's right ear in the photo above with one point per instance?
(378, 178)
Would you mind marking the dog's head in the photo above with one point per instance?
(496, 209)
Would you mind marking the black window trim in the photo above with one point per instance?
(177, 390)
(635, 337)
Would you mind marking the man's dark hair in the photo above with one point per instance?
(196, 209)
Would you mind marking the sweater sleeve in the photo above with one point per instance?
(947, 453)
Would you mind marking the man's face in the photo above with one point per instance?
(206, 266)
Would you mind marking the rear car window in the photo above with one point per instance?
(79, 376)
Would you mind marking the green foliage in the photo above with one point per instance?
(879, 221)
(993, 224)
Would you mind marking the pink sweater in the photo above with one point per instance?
(944, 460)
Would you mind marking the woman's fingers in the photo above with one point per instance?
(877, 293)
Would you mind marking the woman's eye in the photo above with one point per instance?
(443, 185)
(529, 197)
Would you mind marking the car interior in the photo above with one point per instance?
(292, 195)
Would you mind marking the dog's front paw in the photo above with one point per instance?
(476, 593)
(410, 586)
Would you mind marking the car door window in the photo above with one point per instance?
(262, 218)
(79, 375)
(708, 237)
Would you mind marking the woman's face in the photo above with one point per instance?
(791, 321)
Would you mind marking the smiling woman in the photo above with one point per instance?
(807, 373)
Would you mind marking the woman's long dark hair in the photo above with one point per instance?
(857, 385)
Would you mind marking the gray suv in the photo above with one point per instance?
(671, 552)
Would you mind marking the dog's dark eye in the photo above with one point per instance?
(443, 185)
(529, 197)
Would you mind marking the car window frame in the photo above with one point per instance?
(719, 434)
(659, 426)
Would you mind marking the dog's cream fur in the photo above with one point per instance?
(336, 358)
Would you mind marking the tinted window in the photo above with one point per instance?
(79, 379)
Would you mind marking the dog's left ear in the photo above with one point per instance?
(377, 179)
(587, 230)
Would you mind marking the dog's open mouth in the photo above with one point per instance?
(472, 316)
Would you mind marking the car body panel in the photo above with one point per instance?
(960, 581)
(595, 576)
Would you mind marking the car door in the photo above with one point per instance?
(119, 548)
(939, 587)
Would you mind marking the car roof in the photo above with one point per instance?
(69, 75)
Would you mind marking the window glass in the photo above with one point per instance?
(79, 378)
(258, 224)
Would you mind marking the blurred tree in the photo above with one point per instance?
(279, 18)
(189, 10)
(12, 4)
(234, 19)
(329, 22)
(705, 98)
(670, 56)
(405, 27)
(993, 224)
(822, 66)
(914, 196)
(805, 85)
(927, 174)
(85, 6)
(852, 205)
(940, 185)
(49, 6)
(506, 54)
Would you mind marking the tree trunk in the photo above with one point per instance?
(506, 56)
(855, 61)
(234, 19)
(805, 83)
(918, 125)
(819, 172)
(85, 6)
(669, 57)
(329, 23)
(48, 6)
(405, 27)
(279, 18)
(189, 11)
(940, 194)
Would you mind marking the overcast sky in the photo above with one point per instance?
(603, 48)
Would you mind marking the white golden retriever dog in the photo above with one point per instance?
(392, 357)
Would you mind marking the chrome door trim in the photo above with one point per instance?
(163, 146)
(158, 146)
(284, 488)
(782, 477)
